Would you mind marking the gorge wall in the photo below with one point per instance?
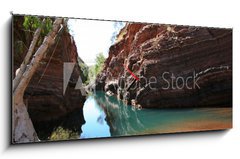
(150, 50)
(44, 96)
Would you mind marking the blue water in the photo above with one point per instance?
(95, 125)
(106, 116)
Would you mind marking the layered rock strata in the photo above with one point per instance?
(175, 66)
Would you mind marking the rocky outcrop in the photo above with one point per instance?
(44, 96)
(175, 66)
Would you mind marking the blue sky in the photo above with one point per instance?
(92, 37)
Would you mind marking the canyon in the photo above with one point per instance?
(148, 66)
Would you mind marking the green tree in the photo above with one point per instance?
(99, 63)
(94, 70)
(31, 23)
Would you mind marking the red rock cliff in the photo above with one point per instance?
(44, 95)
(149, 50)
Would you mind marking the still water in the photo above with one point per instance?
(106, 116)
(96, 125)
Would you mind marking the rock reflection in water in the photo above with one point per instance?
(64, 128)
(106, 116)
(122, 119)
(125, 120)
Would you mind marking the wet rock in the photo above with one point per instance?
(112, 86)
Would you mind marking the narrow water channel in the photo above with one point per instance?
(105, 116)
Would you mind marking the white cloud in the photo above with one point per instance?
(91, 37)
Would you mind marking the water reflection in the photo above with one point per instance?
(122, 119)
(104, 116)
(95, 125)
(64, 128)
(104, 113)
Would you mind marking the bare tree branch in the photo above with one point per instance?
(23, 130)
(26, 60)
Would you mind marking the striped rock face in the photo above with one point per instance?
(169, 66)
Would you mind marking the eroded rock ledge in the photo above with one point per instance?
(149, 50)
